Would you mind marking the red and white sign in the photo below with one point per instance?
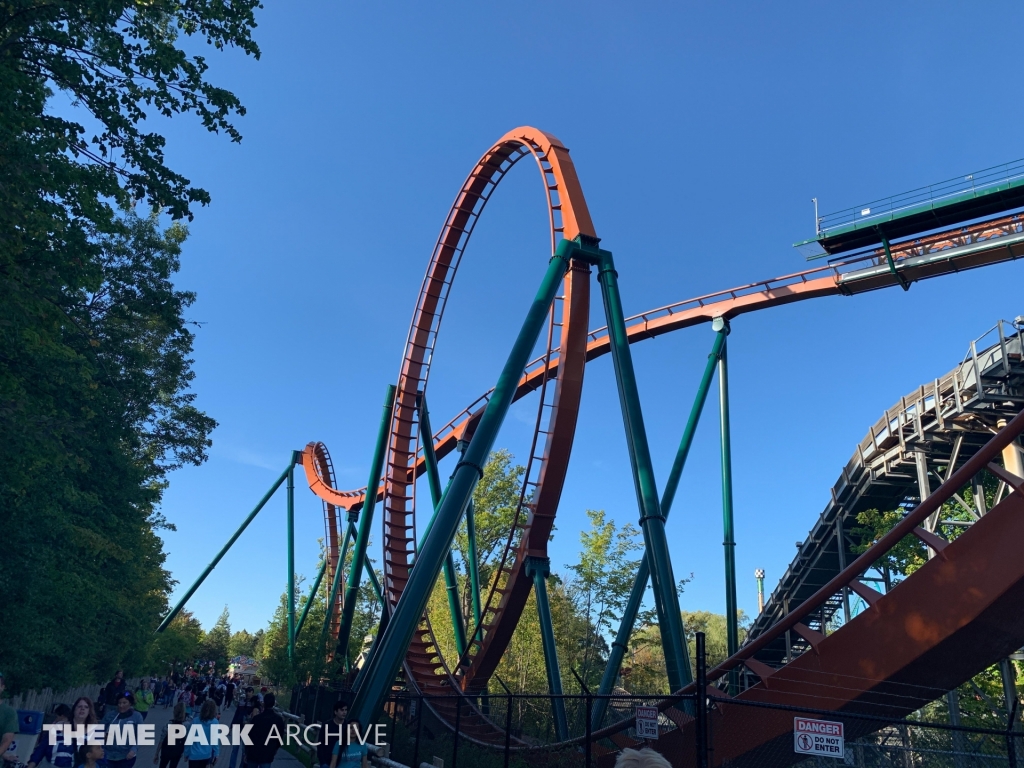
(647, 722)
(818, 737)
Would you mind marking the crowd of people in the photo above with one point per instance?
(195, 700)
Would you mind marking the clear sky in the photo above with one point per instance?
(700, 132)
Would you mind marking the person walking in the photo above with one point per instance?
(111, 693)
(52, 746)
(144, 698)
(123, 755)
(229, 694)
(242, 714)
(169, 755)
(260, 754)
(332, 733)
(204, 752)
(8, 727)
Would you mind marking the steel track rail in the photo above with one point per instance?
(945, 253)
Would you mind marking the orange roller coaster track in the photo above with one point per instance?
(558, 375)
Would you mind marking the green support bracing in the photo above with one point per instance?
(365, 521)
(652, 522)
(224, 550)
(892, 265)
(312, 594)
(381, 667)
(474, 563)
(451, 583)
(350, 533)
(636, 596)
(291, 559)
(729, 539)
(372, 578)
(539, 568)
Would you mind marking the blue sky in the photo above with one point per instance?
(700, 132)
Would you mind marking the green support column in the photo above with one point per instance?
(372, 578)
(224, 550)
(729, 539)
(312, 594)
(350, 533)
(652, 522)
(434, 480)
(381, 668)
(365, 521)
(474, 563)
(539, 568)
(291, 558)
(636, 595)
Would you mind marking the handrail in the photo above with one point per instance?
(942, 494)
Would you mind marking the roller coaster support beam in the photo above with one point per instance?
(539, 568)
(451, 584)
(728, 537)
(348, 607)
(312, 594)
(296, 457)
(471, 553)
(636, 596)
(224, 550)
(336, 585)
(652, 522)
(381, 667)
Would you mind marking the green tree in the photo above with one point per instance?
(177, 646)
(242, 643)
(215, 642)
(94, 407)
(601, 583)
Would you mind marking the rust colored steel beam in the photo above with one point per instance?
(937, 619)
(944, 624)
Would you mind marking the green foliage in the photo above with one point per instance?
(601, 583)
(244, 643)
(94, 348)
(215, 643)
(177, 646)
(310, 658)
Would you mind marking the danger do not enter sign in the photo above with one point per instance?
(818, 737)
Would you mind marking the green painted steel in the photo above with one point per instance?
(728, 534)
(381, 667)
(372, 578)
(539, 568)
(892, 265)
(471, 553)
(451, 583)
(652, 522)
(972, 196)
(365, 521)
(350, 533)
(224, 550)
(291, 558)
(636, 595)
(312, 594)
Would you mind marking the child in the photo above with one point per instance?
(89, 756)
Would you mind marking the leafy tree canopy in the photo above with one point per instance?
(94, 346)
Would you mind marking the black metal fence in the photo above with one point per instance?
(518, 731)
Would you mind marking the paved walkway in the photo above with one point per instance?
(160, 716)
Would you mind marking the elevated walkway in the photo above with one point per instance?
(964, 198)
(961, 612)
(934, 429)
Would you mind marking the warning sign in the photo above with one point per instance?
(818, 737)
(647, 722)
